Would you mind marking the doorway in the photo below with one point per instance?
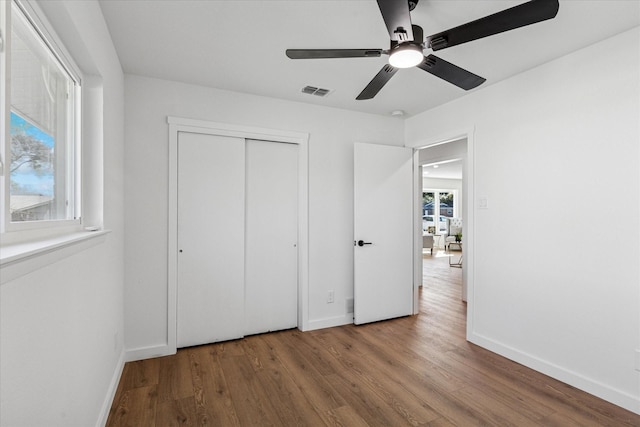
(443, 178)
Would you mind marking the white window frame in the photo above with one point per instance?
(11, 231)
(436, 192)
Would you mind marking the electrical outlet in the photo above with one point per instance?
(331, 296)
(638, 360)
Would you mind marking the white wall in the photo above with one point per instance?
(332, 134)
(556, 153)
(61, 328)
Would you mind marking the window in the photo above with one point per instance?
(40, 124)
(433, 202)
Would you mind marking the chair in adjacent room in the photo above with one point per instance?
(454, 230)
(427, 242)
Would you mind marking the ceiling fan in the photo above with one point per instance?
(407, 42)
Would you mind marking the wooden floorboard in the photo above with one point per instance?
(412, 371)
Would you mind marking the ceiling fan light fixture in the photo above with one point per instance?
(406, 56)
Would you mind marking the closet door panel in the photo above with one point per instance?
(211, 224)
(271, 255)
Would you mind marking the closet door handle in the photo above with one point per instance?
(362, 243)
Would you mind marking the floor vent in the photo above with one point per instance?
(317, 91)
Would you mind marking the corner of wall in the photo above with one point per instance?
(149, 352)
(111, 391)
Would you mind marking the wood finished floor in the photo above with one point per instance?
(414, 371)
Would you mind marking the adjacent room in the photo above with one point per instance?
(223, 212)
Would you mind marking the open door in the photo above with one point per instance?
(383, 227)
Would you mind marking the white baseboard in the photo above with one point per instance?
(148, 352)
(111, 392)
(346, 319)
(603, 391)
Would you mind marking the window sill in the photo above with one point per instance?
(22, 258)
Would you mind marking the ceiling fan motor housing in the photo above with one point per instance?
(418, 38)
(407, 54)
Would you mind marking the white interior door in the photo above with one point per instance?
(271, 252)
(383, 226)
(211, 217)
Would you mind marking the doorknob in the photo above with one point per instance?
(362, 243)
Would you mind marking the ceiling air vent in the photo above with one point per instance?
(317, 91)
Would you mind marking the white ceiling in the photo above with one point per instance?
(240, 45)
(450, 169)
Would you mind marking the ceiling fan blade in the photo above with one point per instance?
(397, 19)
(518, 16)
(377, 82)
(333, 53)
(452, 73)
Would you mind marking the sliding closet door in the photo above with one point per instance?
(271, 252)
(211, 209)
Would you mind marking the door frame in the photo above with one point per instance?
(468, 195)
(179, 124)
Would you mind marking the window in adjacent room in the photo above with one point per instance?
(446, 208)
(40, 125)
(437, 207)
